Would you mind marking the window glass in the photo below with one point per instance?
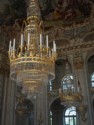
(92, 80)
(50, 117)
(67, 81)
(70, 116)
(50, 86)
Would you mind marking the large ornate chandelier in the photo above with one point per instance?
(33, 60)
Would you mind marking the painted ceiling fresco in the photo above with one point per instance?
(64, 11)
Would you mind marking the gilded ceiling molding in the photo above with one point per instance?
(79, 30)
(86, 47)
(83, 47)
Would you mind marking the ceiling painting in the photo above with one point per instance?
(66, 12)
(53, 12)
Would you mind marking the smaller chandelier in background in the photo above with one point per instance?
(68, 94)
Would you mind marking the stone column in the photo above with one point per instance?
(4, 106)
(87, 92)
(9, 102)
(81, 86)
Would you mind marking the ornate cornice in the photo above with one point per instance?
(85, 47)
(75, 30)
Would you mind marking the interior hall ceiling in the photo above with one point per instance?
(63, 11)
(67, 10)
(11, 10)
(59, 16)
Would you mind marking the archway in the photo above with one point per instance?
(56, 113)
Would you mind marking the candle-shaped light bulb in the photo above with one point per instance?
(47, 41)
(53, 46)
(21, 39)
(40, 39)
(14, 44)
(28, 38)
(10, 46)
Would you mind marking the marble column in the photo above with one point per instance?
(4, 99)
(87, 91)
(9, 103)
(80, 76)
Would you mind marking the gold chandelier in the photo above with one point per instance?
(68, 94)
(33, 60)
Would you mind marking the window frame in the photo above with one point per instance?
(51, 119)
(70, 116)
(92, 81)
(63, 79)
(50, 86)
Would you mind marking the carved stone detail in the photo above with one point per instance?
(78, 62)
(52, 95)
(82, 109)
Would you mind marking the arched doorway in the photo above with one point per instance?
(56, 113)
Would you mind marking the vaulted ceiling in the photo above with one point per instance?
(67, 15)
(65, 12)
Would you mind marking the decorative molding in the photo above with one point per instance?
(74, 31)
(86, 47)
(78, 62)
(82, 109)
(52, 95)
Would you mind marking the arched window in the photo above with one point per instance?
(51, 117)
(67, 82)
(50, 86)
(92, 80)
(70, 116)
